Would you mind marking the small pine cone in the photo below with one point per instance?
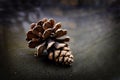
(46, 35)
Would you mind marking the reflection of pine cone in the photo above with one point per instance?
(45, 35)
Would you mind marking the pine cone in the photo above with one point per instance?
(46, 35)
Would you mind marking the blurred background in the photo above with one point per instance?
(94, 28)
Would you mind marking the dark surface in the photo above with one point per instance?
(95, 43)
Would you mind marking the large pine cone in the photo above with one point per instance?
(46, 35)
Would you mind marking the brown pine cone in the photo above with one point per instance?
(46, 35)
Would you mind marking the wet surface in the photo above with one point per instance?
(95, 43)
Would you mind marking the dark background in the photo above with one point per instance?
(94, 28)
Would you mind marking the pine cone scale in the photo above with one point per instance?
(47, 33)
(40, 49)
(60, 33)
(30, 35)
(57, 26)
(50, 44)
